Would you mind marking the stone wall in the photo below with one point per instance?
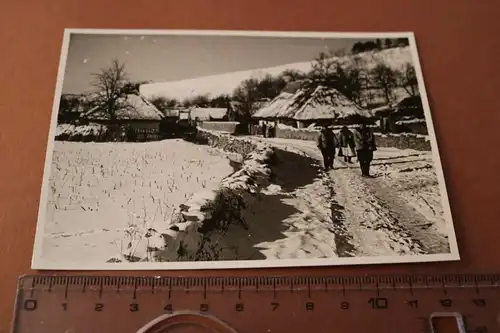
(404, 141)
(401, 141)
(225, 142)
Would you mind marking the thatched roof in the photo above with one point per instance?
(402, 105)
(279, 107)
(131, 107)
(207, 113)
(328, 103)
(301, 103)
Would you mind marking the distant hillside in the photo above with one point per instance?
(225, 83)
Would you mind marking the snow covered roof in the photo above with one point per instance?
(207, 113)
(131, 107)
(279, 107)
(322, 103)
(328, 103)
(175, 111)
(409, 101)
(293, 86)
(404, 102)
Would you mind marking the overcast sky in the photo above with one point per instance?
(174, 57)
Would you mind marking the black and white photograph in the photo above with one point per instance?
(177, 149)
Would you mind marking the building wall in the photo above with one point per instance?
(144, 124)
(135, 124)
(220, 126)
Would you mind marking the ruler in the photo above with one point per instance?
(410, 304)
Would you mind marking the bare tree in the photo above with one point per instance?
(290, 75)
(220, 101)
(385, 78)
(199, 101)
(408, 79)
(70, 108)
(247, 93)
(353, 83)
(110, 82)
(133, 87)
(340, 53)
(324, 67)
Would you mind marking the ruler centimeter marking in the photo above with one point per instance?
(277, 283)
(44, 296)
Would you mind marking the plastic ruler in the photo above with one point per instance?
(410, 304)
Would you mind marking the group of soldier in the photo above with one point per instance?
(359, 143)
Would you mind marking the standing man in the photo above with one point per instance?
(365, 146)
(327, 142)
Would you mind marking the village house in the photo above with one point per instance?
(404, 115)
(134, 113)
(301, 106)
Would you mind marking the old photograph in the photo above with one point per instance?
(172, 149)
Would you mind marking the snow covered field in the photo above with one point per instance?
(99, 190)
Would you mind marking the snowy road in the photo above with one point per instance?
(396, 213)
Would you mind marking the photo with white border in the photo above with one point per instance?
(187, 149)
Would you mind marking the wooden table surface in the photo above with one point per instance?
(460, 55)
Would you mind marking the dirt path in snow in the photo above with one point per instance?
(369, 217)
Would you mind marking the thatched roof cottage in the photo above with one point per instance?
(134, 111)
(301, 106)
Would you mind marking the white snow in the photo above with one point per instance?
(411, 121)
(84, 130)
(103, 196)
(132, 106)
(397, 213)
(288, 219)
(279, 107)
(100, 190)
(326, 103)
(323, 103)
(226, 83)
